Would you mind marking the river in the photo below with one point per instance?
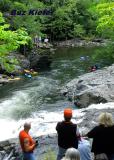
(38, 100)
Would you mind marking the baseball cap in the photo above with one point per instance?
(68, 112)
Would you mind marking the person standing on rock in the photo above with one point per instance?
(103, 137)
(68, 134)
(27, 143)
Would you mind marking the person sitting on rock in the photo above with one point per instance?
(72, 154)
(93, 68)
(68, 134)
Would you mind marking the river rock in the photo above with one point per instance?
(91, 88)
(11, 149)
(81, 43)
(23, 62)
(90, 118)
(39, 60)
(3, 81)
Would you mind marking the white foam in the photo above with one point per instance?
(15, 102)
(102, 106)
(43, 122)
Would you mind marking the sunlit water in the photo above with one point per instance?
(38, 100)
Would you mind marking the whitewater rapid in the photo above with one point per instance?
(43, 122)
(39, 100)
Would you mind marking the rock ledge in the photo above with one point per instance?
(91, 88)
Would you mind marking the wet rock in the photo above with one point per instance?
(3, 81)
(39, 61)
(4, 143)
(23, 62)
(91, 88)
(90, 119)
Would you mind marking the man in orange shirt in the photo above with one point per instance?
(27, 143)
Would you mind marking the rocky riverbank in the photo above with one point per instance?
(10, 149)
(86, 119)
(91, 88)
(37, 59)
(41, 58)
(81, 43)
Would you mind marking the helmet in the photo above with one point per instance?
(68, 112)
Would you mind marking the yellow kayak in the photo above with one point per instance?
(27, 71)
(34, 73)
(14, 79)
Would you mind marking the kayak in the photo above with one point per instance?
(34, 73)
(14, 79)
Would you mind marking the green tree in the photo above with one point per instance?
(106, 19)
(33, 23)
(78, 30)
(10, 41)
(105, 27)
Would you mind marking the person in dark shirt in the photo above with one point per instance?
(68, 134)
(103, 136)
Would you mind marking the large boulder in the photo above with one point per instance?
(23, 64)
(91, 88)
(39, 60)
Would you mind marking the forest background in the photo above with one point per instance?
(67, 19)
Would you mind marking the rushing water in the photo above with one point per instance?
(38, 99)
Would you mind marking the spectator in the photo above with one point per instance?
(103, 137)
(40, 39)
(36, 41)
(68, 134)
(72, 154)
(27, 143)
(84, 149)
(46, 40)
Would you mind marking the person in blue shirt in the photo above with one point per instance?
(84, 149)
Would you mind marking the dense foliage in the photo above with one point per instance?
(106, 19)
(10, 41)
(68, 19)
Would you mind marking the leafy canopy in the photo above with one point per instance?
(106, 18)
(10, 41)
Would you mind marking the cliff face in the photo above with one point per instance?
(91, 88)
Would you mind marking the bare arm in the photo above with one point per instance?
(27, 145)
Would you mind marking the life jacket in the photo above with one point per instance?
(22, 136)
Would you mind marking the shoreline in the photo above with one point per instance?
(77, 42)
(59, 44)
